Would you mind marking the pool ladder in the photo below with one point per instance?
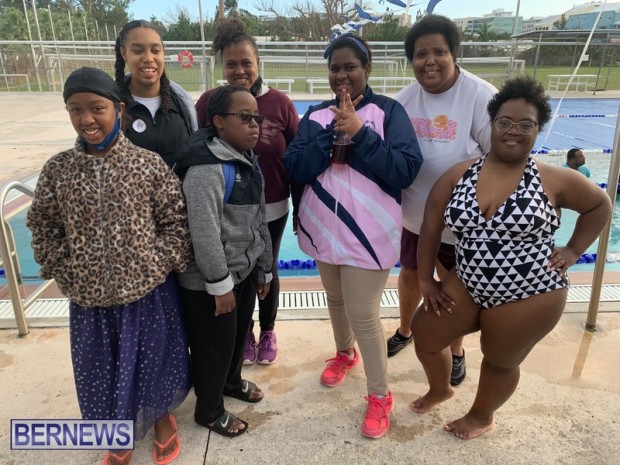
(10, 260)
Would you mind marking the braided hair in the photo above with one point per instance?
(164, 83)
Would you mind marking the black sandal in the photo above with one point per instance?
(245, 392)
(224, 423)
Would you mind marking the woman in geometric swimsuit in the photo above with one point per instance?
(504, 258)
(510, 280)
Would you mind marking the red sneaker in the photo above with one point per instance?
(377, 419)
(337, 368)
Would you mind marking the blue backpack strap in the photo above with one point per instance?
(229, 169)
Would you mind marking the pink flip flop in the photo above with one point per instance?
(162, 447)
(119, 458)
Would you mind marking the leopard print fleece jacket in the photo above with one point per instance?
(108, 230)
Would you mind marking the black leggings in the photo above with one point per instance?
(268, 308)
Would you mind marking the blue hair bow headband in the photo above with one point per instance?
(351, 38)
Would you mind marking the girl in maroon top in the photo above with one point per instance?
(240, 61)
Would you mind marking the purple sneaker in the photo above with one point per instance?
(249, 356)
(267, 348)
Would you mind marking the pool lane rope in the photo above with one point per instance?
(582, 58)
(309, 264)
(297, 264)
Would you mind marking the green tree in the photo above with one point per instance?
(98, 13)
(303, 19)
(560, 23)
(231, 7)
(17, 4)
(485, 33)
(158, 25)
(388, 29)
(184, 28)
(12, 24)
(112, 12)
(209, 29)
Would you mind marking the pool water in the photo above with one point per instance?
(293, 262)
(599, 164)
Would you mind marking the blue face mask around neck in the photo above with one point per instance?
(110, 137)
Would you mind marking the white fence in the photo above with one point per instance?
(298, 66)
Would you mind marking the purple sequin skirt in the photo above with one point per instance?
(131, 362)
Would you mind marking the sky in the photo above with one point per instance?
(165, 11)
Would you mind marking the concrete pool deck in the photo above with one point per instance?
(566, 409)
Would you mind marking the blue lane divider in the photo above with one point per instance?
(604, 186)
(587, 258)
(544, 151)
(596, 115)
(296, 264)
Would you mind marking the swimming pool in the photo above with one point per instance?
(585, 123)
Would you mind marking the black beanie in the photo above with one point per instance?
(92, 80)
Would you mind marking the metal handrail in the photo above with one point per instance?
(10, 259)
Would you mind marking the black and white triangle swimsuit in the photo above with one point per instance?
(505, 258)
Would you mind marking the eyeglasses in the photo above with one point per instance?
(246, 118)
(524, 127)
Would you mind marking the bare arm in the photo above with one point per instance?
(574, 191)
(430, 239)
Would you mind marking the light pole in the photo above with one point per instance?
(514, 45)
(361, 4)
(516, 22)
(203, 72)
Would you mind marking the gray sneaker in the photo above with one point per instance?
(396, 343)
(458, 370)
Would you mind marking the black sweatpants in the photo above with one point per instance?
(216, 344)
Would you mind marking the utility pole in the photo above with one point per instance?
(221, 10)
(203, 72)
(361, 4)
(513, 52)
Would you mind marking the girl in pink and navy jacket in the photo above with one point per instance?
(349, 217)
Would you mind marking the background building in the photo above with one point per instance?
(498, 21)
(610, 17)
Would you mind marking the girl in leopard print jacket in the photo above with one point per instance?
(109, 224)
(108, 229)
